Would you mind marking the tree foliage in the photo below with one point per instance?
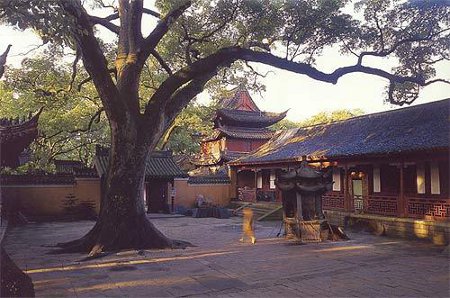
(71, 123)
(193, 123)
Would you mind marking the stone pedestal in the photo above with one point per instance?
(310, 231)
(291, 228)
(306, 231)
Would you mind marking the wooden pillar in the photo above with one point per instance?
(347, 203)
(256, 185)
(401, 206)
(299, 206)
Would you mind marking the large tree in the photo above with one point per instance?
(192, 43)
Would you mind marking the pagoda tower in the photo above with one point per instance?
(239, 128)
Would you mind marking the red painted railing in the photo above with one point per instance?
(247, 195)
(333, 201)
(428, 208)
(382, 205)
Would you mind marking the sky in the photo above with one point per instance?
(302, 96)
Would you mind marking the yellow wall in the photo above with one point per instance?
(186, 194)
(49, 199)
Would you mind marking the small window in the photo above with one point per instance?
(435, 184)
(272, 179)
(336, 179)
(376, 180)
(258, 180)
(420, 179)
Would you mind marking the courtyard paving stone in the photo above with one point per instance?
(220, 266)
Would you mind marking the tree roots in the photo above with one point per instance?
(106, 237)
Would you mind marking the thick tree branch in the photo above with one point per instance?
(387, 52)
(105, 23)
(115, 15)
(93, 58)
(151, 12)
(88, 79)
(3, 60)
(183, 96)
(162, 62)
(95, 117)
(160, 30)
(74, 69)
(226, 56)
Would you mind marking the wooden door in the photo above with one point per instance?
(157, 196)
(357, 194)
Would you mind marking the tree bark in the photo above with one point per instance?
(122, 223)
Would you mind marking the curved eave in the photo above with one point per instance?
(249, 119)
(28, 128)
(262, 134)
(349, 157)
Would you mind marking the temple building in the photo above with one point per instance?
(386, 166)
(239, 128)
(15, 137)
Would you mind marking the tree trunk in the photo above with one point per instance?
(122, 223)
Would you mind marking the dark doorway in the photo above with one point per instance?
(157, 196)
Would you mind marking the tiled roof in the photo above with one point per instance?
(248, 118)
(15, 136)
(254, 133)
(416, 128)
(160, 164)
(37, 179)
(214, 179)
(211, 160)
(67, 166)
(246, 133)
(241, 100)
(209, 175)
(232, 155)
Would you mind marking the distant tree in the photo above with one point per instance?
(319, 118)
(284, 124)
(192, 43)
(185, 133)
(328, 117)
(71, 123)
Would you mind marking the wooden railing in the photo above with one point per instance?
(333, 201)
(428, 208)
(266, 195)
(247, 195)
(382, 205)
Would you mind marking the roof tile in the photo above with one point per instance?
(416, 128)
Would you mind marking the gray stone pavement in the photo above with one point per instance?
(221, 266)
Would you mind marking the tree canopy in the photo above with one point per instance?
(71, 123)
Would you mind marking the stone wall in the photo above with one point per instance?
(437, 232)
